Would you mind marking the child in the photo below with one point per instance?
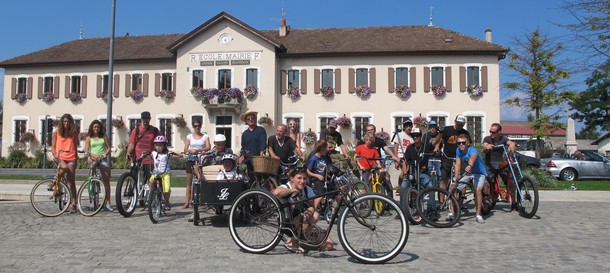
(161, 160)
(230, 168)
(475, 170)
(365, 151)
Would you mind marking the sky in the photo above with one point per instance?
(31, 25)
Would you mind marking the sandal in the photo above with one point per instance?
(295, 249)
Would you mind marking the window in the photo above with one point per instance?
(360, 124)
(293, 79)
(22, 85)
(224, 78)
(47, 126)
(133, 124)
(252, 77)
(440, 120)
(197, 78)
(136, 82)
(165, 127)
(327, 78)
(20, 129)
(223, 127)
(105, 83)
(48, 85)
(324, 122)
(402, 76)
(167, 80)
(473, 125)
(75, 84)
(398, 121)
(437, 76)
(77, 127)
(362, 76)
(472, 75)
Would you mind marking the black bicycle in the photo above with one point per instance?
(131, 188)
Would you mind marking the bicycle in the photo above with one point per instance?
(157, 204)
(132, 187)
(379, 183)
(258, 221)
(525, 193)
(51, 196)
(92, 193)
(355, 187)
(410, 201)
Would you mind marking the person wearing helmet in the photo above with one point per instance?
(160, 157)
(229, 164)
(141, 140)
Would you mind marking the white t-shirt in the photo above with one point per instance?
(403, 141)
(161, 163)
(196, 143)
(228, 175)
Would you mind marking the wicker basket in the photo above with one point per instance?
(266, 165)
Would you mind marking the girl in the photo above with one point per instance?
(293, 132)
(63, 147)
(161, 157)
(97, 147)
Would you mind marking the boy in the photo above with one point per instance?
(475, 169)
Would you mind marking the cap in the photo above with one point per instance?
(460, 119)
(432, 123)
(407, 121)
(219, 138)
(415, 131)
(246, 114)
(332, 123)
(145, 115)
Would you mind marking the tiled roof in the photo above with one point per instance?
(525, 128)
(600, 139)
(336, 41)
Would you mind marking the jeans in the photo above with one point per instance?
(437, 167)
(424, 181)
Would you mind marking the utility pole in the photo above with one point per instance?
(110, 82)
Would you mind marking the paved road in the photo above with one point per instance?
(564, 237)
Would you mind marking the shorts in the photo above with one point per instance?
(478, 181)
(165, 180)
(446, 166)
(318, 186)
(189, 167)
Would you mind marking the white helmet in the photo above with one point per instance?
(219, 138)
(229, 157)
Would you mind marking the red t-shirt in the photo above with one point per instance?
(143, 142)
(363, 150)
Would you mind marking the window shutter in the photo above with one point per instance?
(83, 90)
(13, 88)
(40, 83)
(115, 82)
(145, 85)
(463, 86)
(303, 81)
(174, 83)
(98, 88)
(283, 82)
(67, 89)
(157, 84)
(448, 78)
(391, 81)
(412, 82)
(337, 81)
(373, 79)
(56, 87)
(127, 85)
(350, 81)
(484, 78)
(30, 88)
(316, 81)
(426, 79)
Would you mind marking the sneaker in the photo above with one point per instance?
(480, 219)
(168, 206)
(450, 217)
(107, 207)
(73, 209)
(192, 218)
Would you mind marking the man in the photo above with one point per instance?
(253, 139)
(434, 161)
(449, 137)
(495, 156)
(402, 141)
(475, 170)
(141, 139)
(220, 149)
(414, 157)
(282, 147)
(332, 135)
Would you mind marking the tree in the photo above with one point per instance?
(593, 105)
(592, 29)
(588, 133)
(539, 85)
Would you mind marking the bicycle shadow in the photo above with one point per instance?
(410, 258)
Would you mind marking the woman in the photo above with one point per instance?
(63, 147)
(293, 132)
(97, 147)
(197, 142)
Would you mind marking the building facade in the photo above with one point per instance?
(378, 75)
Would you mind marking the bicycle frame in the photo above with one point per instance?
(513, 164)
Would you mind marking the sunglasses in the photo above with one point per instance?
(414, 135)
(196, 126)
(462, 143)
(492, 132)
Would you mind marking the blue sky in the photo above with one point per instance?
(30, 25)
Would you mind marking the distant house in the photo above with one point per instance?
(603, 144)
(522, 131)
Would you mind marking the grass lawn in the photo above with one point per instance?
(585, 185)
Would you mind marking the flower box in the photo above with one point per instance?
(48, 96)
(21, 97)
(250, 92)
(167, 95)
(327, 92)
(383, 135)
(265, 121)
(402, 91)
(118, 123)
(439, 90)
(179, 122)
(137, 95)
(363, 91)
(293, 93)
(309, 137)
(74, 97)
(198, 92)
(475, 90)
(344, 122)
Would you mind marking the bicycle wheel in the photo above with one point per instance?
(487, 204)
(255, 221)
(358, 189)
(411, 207)
(126, 194)
(91, 197)
(48, 201)
(374, 238)
(154, 205)
(434, 212)
(529, 204)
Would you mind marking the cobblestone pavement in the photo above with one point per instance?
(564, 237)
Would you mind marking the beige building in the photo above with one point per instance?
(224, 52)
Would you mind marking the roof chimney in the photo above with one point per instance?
(284, 28)
(488, 35)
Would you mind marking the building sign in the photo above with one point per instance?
(240, 62)
(222, 62)
(224, 56)
(206, 63)
(518, 136)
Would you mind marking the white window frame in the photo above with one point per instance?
(167, 116)
(217, 74)
(13, 131)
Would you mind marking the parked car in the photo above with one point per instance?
(526, 161)
(589, 165)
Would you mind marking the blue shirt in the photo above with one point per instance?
(317, 165)
(479, 167)
(254, 141)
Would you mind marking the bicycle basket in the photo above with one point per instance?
(266, 165)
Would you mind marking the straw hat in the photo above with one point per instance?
(246, 114)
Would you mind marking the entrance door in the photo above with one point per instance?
(224, 126)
